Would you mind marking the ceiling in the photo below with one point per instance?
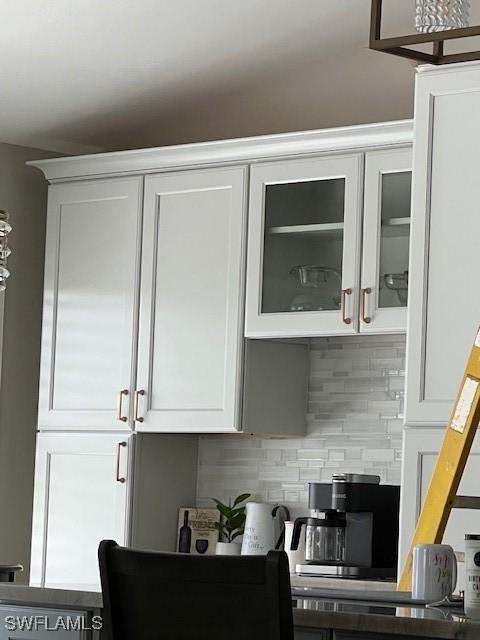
(86, 75)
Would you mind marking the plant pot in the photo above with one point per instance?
(227, 549)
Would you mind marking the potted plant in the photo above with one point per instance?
(230, 525)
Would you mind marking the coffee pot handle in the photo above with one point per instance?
(282, 518)
(297, 528)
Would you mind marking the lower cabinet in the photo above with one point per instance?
(32, 623)
(93, 486)
(81, 486)
(420, 451)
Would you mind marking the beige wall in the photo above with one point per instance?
(23, 193)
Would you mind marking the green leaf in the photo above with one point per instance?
(225, 511)
(237, 533)
(236, 522)
(241, 498)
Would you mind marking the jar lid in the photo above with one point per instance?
(472, 536)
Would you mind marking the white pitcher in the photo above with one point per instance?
(259, 534)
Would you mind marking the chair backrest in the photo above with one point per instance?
(171, 596)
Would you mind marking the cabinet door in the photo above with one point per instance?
(80, 499)
(420, 452)
(89, 303)
(303, 247)
(190, 340)
(444, 305)
(386, 240)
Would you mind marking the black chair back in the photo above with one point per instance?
(170, 596)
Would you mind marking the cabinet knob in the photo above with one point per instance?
(345, 318)
(138, 392)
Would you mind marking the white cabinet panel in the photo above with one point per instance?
(78, 502)
(303, 247)
(386, 236)
(444, 308)
(190, 340)
(89, 304)
(420, 452)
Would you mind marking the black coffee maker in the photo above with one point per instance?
(352, 530)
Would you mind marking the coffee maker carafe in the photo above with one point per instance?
(352, 530)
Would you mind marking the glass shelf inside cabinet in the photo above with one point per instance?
(394, 239)
(303, 246)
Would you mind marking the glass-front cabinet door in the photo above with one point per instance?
(386, 240)
(303, 246)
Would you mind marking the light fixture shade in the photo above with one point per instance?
(441, 15)
(5, 229)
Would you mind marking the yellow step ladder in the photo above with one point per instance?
(442, 492)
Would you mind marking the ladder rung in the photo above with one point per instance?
(466, 502)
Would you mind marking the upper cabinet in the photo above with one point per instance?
(143, 312)
(148, 282)
(386, 241)
(303, 244)
(444, 307)
(91, 271)
(191, 329)
(304, 241)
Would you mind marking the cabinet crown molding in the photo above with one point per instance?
(253, 149)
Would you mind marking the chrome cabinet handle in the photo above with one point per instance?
(364, 292)
(117, 472)
(345, 292)
(138, 392)
(123, 392)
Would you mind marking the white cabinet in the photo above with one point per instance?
(305, 237)
(155, 343)
(386, 240)
(95, 486)
(191, 329)
(81, 485)
(303, 247)
(91, 273)
(420, 451)
(444, 305)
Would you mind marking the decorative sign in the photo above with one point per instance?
(196, 530)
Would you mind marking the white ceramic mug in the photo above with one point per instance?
(434, 574)
(296, 556)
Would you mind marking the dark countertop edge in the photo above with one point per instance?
(16, 595)
(376, 623)
(49, 606)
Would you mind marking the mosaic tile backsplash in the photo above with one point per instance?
(354, 424)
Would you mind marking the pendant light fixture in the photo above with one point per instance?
(5, 229)
(436, 21)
